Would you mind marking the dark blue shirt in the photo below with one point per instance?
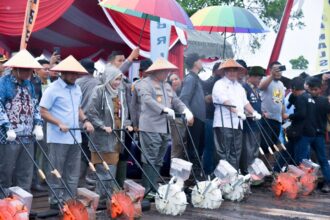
(208, 87)
(253, 96)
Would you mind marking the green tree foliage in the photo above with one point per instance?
(300, 63)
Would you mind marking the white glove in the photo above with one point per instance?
(11, 135)
(241, 115)
(256, 115)
(188, 114)
(37, 131)
(170, 112)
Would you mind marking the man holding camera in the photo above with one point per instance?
(272, 107)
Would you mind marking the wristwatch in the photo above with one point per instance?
(84, 120)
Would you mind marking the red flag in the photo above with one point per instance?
(30, 18)
(281, 33)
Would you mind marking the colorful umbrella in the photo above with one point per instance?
(227, 19)
(152, 10)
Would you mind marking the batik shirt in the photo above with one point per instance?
(19, 109)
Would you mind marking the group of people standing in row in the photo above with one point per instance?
(222, 113)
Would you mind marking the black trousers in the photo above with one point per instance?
(197, 133)
(270, 133)
(228, 145)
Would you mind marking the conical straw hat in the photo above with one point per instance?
(161, 64)
(69, 64)
(23, 59)
(230, 63)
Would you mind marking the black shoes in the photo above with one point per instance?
(39, 188)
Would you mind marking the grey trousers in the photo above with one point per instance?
(250, 149)
(16, 167)
(154, 145)
(228, 145)
(107, 181)
(177, 148)
(66, 159)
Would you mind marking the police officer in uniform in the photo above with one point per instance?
(158, 103)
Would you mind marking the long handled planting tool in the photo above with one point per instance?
(282, 145)
(170, 199)
(193, 146)
(121, 203)
(285, 183)
(271, 144)
(66, 209)
(205, 194)
(74, 204)
(261, 152)
(92, 167)
(144, 154)
(307, 178)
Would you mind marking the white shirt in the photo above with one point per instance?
(232, 91)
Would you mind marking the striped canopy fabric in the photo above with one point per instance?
(227, 19)
(82, 29)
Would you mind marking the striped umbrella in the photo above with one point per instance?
(227, 19)
(152, 10)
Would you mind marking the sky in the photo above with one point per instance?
(297, 42)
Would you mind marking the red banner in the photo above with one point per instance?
(281, 34)
(30, 18)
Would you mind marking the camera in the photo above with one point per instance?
(282, 68)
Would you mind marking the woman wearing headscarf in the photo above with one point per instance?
(107, 111)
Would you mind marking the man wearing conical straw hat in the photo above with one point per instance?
(158, 104)
(61, 108)
(228, 121)
(19, 116)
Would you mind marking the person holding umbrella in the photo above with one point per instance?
(231, 102)
(19, 116)
(61, 108)
(158, 103)
(135, 103)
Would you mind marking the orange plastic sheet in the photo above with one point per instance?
(286, 185)
(122, 205)
(74, 210)
(12, 208)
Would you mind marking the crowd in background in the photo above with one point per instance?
(232, 115)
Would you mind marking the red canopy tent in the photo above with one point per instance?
(81, 28)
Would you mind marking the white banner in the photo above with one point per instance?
(323, 58)
(159, 39)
